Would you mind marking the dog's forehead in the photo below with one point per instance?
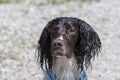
(63, 21)
(64, 25)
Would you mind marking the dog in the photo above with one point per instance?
(66, 47)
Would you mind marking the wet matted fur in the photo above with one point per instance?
(79, 44)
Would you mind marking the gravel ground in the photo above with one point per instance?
(21, 25)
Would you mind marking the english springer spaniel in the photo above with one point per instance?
(66, 47)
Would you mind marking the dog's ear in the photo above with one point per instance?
(88, 45)
(43, 50)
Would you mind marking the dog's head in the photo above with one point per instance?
(68, 37)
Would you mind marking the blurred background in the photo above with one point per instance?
(22, 21)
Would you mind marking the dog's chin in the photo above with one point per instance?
(65, 68)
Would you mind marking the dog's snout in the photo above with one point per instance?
(57, 43)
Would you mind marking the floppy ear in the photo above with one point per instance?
(88, 45)
(43, 50)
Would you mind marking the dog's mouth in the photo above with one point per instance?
(58, 53)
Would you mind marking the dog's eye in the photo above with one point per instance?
(55, 29)
(71, 31)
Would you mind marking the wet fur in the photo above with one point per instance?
(86, 48)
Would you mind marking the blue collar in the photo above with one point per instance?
(53, 77)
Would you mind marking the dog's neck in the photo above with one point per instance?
(66, 69)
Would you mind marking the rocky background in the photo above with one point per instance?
(21, 23)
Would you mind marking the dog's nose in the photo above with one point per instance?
(58, 43)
